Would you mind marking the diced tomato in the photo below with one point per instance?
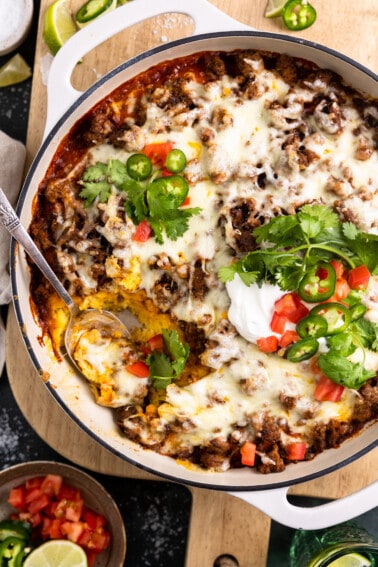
(291, 307)
(69, 493)
(33, 494)
(143, 232)
(99, 541)
(93, 519)
(296, 451)
(327, 391)
(34, 482)
(278, 323)
(339, 268)
(139, 368)
(186, 202)
(289, 337)
(55, 529)
(72, 530)
(342, 290)
(56, 511)
(268, 344)
(16, 497)
(91, 557)
(358, 278)
(156, 342)
(248, 454)
(158, 152)
(52, 484)
(38, 504)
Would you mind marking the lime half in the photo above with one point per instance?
(274, 8)
(58, 25)
(351, 560)
(57, 553)
(14, 71)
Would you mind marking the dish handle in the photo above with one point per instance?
(60, 93)
(275, 504)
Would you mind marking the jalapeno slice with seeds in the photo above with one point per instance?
(92, 9)
(139, 166)
(312, 326)
(357, 311)
(173, 187)
(175, 161)
(302, 349)
(336, 315)
(318, 283)
(298, 14)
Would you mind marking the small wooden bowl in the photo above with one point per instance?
(95, 497)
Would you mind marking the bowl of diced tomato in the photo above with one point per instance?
(44, 500)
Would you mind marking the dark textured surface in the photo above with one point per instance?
(156, 514)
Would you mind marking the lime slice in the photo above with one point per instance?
(57, 553)
(14, 71)
(274, 8)
(58, 25)
(351, 560)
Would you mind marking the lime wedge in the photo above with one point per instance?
(274, 8)
(58, 25)
(351, 560)
(14, 71)
(57, 553)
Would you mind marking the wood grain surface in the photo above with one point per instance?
(220, 523)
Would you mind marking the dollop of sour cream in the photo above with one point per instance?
(252, 308)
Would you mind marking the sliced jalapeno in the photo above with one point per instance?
(175, 161)
(175, 187)
(12, 551)
(337, 316)
(92, 9)
(302, 349)
(357, 311)
(312, 326)
(15, 528)
(318, 284)
(139, 167)
(298, 14)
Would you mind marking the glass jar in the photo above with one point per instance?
(320, 548)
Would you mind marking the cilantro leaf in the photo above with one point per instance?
(168, 365)
(343, 371)
(291, 245)
(367, 332)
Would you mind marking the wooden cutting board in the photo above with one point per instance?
(220, 523)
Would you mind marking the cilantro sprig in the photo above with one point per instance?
(290, 245)
(168, 365)
(334, 363)
(156, 199)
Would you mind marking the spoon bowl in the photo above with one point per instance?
(80, 320)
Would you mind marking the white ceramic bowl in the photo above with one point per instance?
(15, 21)
(95, 497)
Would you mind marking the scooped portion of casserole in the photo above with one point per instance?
(229, 202)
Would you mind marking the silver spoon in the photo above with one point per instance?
(79, 320)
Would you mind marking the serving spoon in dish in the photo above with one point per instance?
(80, 320)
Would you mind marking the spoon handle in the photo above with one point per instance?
(12, 223)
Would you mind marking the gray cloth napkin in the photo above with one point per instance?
(12, 161)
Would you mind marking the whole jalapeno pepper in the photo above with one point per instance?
(318, 283)
(302, 349)
(298, 14)
(336, 315)
(312, 326)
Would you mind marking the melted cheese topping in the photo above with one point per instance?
(272, 154)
